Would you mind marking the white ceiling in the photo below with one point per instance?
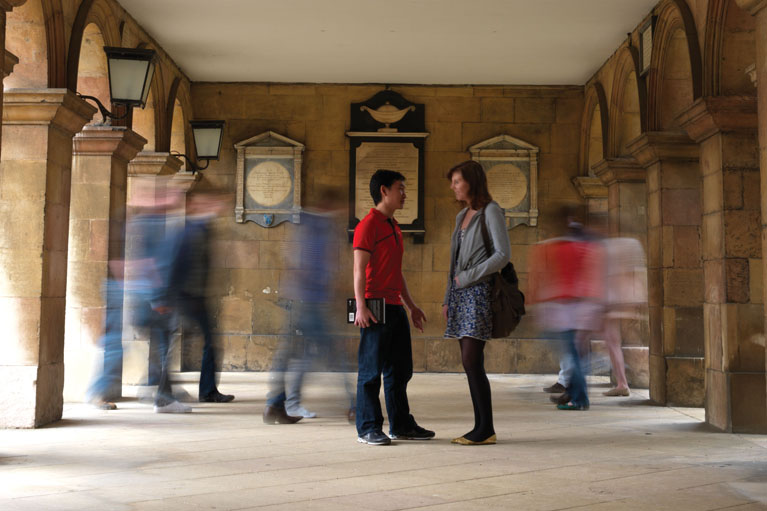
(518, 42)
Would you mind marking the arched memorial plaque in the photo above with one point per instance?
(511, 166)
(268, 180)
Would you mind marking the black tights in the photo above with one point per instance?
(472, 355)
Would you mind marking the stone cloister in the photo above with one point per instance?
(675, 156)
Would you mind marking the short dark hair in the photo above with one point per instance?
(383, 177)
(473, 173)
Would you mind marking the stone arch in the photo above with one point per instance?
(594, 128)
(178, 103)
(27, 38)
(675, 77)
(729, 49)
(92, 72)
(627, 104)
(179, 113)
(97, 13)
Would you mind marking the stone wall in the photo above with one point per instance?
(253, 264)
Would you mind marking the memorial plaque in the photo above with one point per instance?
(508, 184)
(399, 156)
(511, 166)
(268, 183)
(387, 132)
(268, 180)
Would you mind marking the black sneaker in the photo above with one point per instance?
(374, 438)
(416, 433)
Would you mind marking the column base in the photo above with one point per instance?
(685, 381)
(32, 395)
(737, 402)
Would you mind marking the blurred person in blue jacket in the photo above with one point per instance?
(312, 289)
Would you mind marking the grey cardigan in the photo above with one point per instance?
(473, 264)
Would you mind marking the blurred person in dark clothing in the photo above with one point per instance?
(189, 282)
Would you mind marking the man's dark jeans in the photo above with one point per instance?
(194, 308)
(577, 388)
(385, 349)
(107, 384)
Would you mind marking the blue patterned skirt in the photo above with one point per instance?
(469, 313)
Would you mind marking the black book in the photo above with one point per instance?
(376, 305)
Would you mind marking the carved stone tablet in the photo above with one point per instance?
(511, 166)
(268, 180)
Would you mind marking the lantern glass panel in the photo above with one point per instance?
(126, 80)
(207, 141)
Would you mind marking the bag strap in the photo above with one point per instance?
(486, 235)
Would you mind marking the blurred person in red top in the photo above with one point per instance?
(385, 348)
(566, 284)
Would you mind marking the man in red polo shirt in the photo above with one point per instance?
(384, 347)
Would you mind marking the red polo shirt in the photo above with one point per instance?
(382, 237)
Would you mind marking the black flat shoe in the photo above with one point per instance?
(216, 397)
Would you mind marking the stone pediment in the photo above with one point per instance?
(503, 143)
(269, 139)
(511, 166)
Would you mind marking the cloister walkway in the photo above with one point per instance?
(621, 454)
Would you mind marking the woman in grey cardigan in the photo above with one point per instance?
(466, 306)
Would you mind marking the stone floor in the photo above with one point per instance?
(621, 454)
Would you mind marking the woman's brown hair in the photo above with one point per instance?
(473, 173)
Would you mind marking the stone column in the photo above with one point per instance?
(626, 196)
(758, 8)
(674, 269)
(38, 126)
(624, 179)
(154, 170)
(594, 192)
(726, 129)
(96, 238)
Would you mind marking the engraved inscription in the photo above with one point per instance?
(507, 184)
(399, 156)
(269, 183)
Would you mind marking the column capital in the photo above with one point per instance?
(708, 116)
(590, 187)
(654, 146)
(8, 5)
(752, 6)
(186, 181)
(10, 61)
(115, 141)
(149, 163)
(59, 107)
(619, 170)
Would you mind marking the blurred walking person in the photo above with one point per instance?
(158, 239)
(189, 282)
(313, 293)
(566, 283)
(626, 296)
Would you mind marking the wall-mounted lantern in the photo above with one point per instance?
(130, 75)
